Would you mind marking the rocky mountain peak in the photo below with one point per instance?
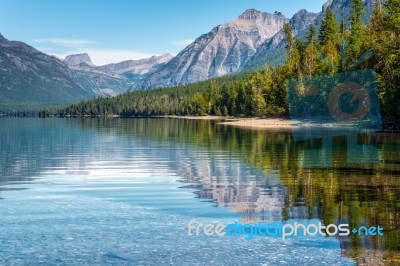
(77, 59)
(160, 58)
(164, 57)
(302, 20)
(251, 14)
(327, 5)
(2, 39)
(301, 12)
(225, 49)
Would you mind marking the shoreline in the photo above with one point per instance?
(262, 123)
(255, 123)
(273, 123)
(251, 122)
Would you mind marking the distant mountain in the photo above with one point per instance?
(272, 51)
(111, 79)
(138, 67)
(342, 9)
(93, 79)
(225, 49)
(77, 60)
(30, 78)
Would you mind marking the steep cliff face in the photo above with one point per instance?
(272, 51)
(342, 8)
(77, 60)
(223, 50)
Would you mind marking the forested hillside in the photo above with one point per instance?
(338, 46)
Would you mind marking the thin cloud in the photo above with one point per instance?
(65, 42)
(183, 42)
(106, 56)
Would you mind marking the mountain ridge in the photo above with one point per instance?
(191, 64)
(32, 78)
(223, 50)
(111, 79)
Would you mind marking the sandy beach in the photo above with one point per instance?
(269, 123)
(256, 123)
(261, 123)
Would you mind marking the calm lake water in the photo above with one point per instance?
(122, 192)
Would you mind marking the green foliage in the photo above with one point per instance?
(246, 94)
(198, 105)
(311, 35)
(384, 41)
(392, 16)
(357, 34)
(329, 31)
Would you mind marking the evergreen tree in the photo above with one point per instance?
(329, 36)
(391, 17)
(357, 34)
(199, 105)
(343, 27)
(311, 35)
(374, 30)
(388, 50)
(289, 39)
(294, 49)
(375, 23)
(329, 31)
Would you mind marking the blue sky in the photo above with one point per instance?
(116, 30)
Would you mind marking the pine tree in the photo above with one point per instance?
(329, 31)
(375, 23)
(357, 34)
(389, 53)
(294, 52)
(374, 30)
(311, 35)
(310, 52)
(329, 37)
(289, 39)
(391, 19)
(343, 27)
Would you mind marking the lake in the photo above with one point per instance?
(123, 192)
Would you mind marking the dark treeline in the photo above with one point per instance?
(18, 113)
(260, 93)
(337, 47)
